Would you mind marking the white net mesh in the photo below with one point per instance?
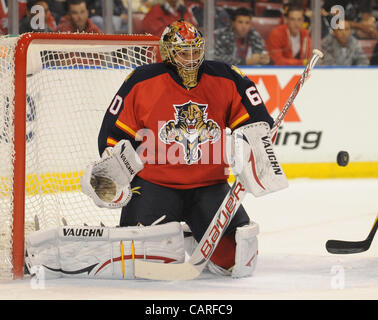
(6, 154)
(68, 90)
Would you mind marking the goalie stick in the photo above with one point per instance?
(316, 54)
(192, 268)
(348, 247)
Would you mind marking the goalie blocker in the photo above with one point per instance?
(254, 161)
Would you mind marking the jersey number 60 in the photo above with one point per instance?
(116, 105)
(253, 96)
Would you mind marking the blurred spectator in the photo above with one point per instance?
(343, 49)
(4, 13)
(144, 6)
(238, 43)
(26, 23)
(3, 18)
(196, 8)
(77, 19)
(58, 9)
(119, 18)
(141, 6)
(164, 14)
(307, 9)
(374, 56)
(358, 13)
(290, 43)
(305, 5)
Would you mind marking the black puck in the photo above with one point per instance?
(342, 158)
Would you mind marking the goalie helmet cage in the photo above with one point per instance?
(55, 89)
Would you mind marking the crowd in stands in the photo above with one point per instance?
(249, 32)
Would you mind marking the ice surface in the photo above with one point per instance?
(293, 263)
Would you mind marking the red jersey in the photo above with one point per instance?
(161, 16)
(279, 46)
(4, 14)
(66, 25)
(180, 133)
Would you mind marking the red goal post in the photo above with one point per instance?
(43, 66)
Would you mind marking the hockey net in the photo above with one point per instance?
(55, 89)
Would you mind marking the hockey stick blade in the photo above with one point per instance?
(349, 247)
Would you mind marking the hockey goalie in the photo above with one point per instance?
(162, 161)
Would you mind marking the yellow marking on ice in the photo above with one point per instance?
(50, 183)
(328, 170)
(331, 170)
(45, 183)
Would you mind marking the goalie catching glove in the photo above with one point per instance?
(107, 181)
(254, 161)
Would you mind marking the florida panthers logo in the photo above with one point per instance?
(190, 129)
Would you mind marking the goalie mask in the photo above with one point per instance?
(182, 45)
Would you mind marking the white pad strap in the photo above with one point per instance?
(255, 161)
(245, 253)
(107, 181)
(102, 253)
(246, 250)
